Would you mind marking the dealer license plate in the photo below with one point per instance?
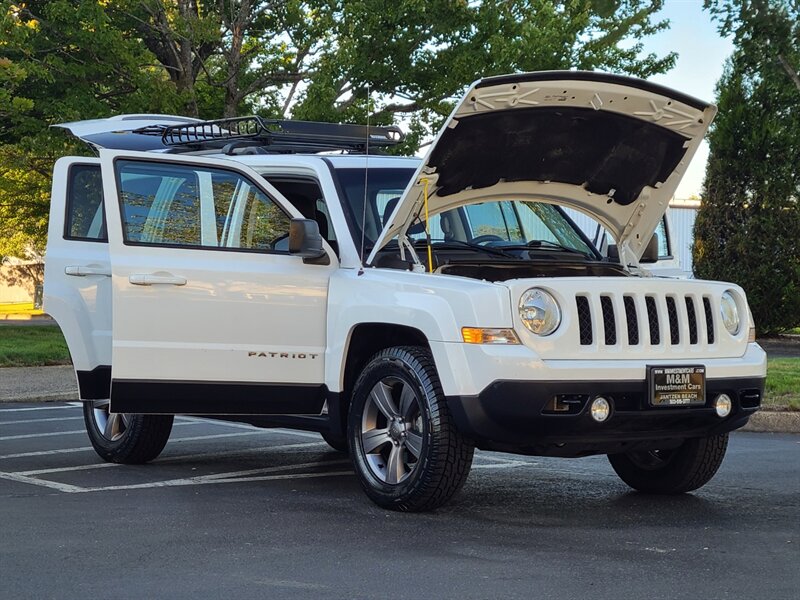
(677, 385)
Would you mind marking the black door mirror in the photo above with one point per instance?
(651, 252)
(305, 240)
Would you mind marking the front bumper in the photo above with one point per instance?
(512, 416)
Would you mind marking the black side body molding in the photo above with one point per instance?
(215, 398)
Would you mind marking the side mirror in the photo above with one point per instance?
(651, 252)
(305, 240)
(612, 253)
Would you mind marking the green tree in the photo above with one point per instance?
(748, 226)
(60, 61)
(63, 60)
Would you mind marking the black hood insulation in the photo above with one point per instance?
(598, 150)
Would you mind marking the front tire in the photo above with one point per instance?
(683, 469)
(125, 438)
(408, 454)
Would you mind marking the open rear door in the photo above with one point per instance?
(212, 315)
(77, 279)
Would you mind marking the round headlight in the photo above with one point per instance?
(729, 312)
(539, 311)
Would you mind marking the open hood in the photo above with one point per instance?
(125, 132)
(612, 147)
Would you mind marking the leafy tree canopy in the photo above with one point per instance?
(63, 60)
(748, 226)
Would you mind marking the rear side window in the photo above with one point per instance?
(86, 217)
(197, 207)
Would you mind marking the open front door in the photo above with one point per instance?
(211, 314)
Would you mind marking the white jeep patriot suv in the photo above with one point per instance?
(282, 273)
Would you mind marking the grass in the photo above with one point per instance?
(32, 346)
(19, 308)
(783, 383)
(43, 345)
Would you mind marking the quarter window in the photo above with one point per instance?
(86, 219)
(197, 207)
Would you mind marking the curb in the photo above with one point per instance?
(23, 317)
(773, 421)
(54, 397)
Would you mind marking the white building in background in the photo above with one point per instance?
(681, 216)
(676, 257)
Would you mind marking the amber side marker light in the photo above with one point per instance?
(479, 335)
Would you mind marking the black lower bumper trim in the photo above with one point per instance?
(512, 416)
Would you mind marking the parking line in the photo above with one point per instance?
(231, 477)
(2, 410)
(61, 487)
(87, 448)
(168, 459)
(22, 421)
(25, 436)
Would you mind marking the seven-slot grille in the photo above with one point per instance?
(645, 319)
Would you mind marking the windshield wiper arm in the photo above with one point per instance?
(549, 245)
(460, 243)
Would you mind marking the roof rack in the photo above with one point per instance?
(275, 136)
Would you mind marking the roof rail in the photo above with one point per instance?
(277, 136)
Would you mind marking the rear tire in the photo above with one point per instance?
(125, 438)
(683, 469)
(408, 454)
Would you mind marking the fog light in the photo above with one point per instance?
(723, 405)
(600, 409)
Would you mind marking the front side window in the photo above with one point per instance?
(196, 207)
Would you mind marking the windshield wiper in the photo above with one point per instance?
(461, 243)
(548, 245)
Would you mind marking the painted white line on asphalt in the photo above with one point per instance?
(21, 421)
(61, 487)
(232, 477)
(201, 481)
(55, 433)
(69, 406)
(306, 434)
(46, 452)
(87, 448)
(168, 459)
(502, 465)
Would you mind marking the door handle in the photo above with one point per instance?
(156, 279)
(83, 271)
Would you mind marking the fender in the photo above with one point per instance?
(437, 305)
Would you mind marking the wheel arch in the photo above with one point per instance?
(364, 340)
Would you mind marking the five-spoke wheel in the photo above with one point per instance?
(406, 449)
(391, 430)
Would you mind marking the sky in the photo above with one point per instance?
(701, 56)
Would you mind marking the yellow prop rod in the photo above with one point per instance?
(424, 181)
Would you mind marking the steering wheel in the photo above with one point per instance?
(483, 239)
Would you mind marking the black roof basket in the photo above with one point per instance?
(274, 136)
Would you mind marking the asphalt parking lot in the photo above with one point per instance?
(230, 510)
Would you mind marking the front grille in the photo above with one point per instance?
(609, 321)
(692, 319)
(646, 316)
(632, 320)
(709, 319)
(584, 320)
(652, 319)
(674, 330)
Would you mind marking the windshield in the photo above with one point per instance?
(502, 224)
